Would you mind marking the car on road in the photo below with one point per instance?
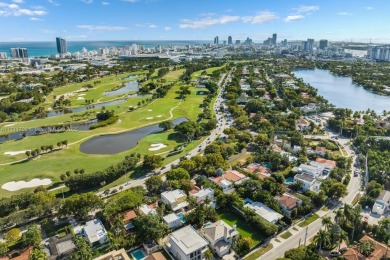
(157, 173)
(334, 254)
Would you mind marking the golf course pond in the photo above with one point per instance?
(116, 143)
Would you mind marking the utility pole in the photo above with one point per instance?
(305, 236)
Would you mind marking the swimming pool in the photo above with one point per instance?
(138, 254)
(266, 165)
(288, 180)
(181, 217)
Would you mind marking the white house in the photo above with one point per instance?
(314, 169)
(95, 232)
(220, 235)
(201, 194)
(187, 244)
(175, 199)
(308, 181)
(263, 211)
(172, 221)
(382, 203)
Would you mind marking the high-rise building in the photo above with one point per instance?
(3, 55)
(274, 37)
(216, 40)
(310, 44)
(248, 40)
(20, 53)
(230, 40)
(284, 43)
(323, 44)
(381, 53)
(238, 41)
(61, 45)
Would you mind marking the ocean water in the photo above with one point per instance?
(38, 49)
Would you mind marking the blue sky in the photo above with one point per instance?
(82, 20)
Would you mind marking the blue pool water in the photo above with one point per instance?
(288, 180)
(181, 217)
(266, 164)
(138, 254)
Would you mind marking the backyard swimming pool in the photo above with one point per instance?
(138, 254)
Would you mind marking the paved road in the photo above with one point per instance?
(298, 237)
(222, 124)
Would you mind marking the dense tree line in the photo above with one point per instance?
(101, 178)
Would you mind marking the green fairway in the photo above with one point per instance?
(52, 165)
(243, 227)
(209, 71)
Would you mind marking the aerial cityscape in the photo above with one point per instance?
(190, 130)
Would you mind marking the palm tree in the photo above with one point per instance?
(321, 238)
(208, 255)
(366, 247)
(191, 200)
(355, 219)
(327, 222)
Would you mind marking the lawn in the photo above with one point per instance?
(54, 164)
(209, 71)
(309, 220)
(286, 235)
(256, 254)
(243, 227)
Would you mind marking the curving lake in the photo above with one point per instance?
(342, 92)
(80, 109)
(129, 86)
(9, 134)
(116, 143)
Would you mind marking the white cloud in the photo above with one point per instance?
(369, 8)
(87, 1)
(36, 19)
(207, 21)
(105, 3)
(344, 13)
(15, 10)
(53, 2)
(293, 18)
(167, 28)
(260, 18)
(18, 1)
(307, 8)
(130, 1)
(153, 26)
(102, 27)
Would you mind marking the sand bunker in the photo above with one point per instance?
(80, 98)
(70, 94)
(9, 125)
(80, 95)
(149, 118)
(150, 110)
(16, 152)
(159, 116)
(156, 147)
(18, 185)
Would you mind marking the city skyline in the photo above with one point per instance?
(193, 20)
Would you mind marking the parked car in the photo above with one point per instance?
(334, 254)
(343, 250)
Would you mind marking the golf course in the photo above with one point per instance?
(14, 165)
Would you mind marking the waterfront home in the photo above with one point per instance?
(220, 235)
(382, 203)
(187, 244)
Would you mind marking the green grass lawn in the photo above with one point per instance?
(256, 254)
(309, 220)
(54, 164)
(210, 71)
(286, 235)
(243, 227)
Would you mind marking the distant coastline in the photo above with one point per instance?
(47, 48)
